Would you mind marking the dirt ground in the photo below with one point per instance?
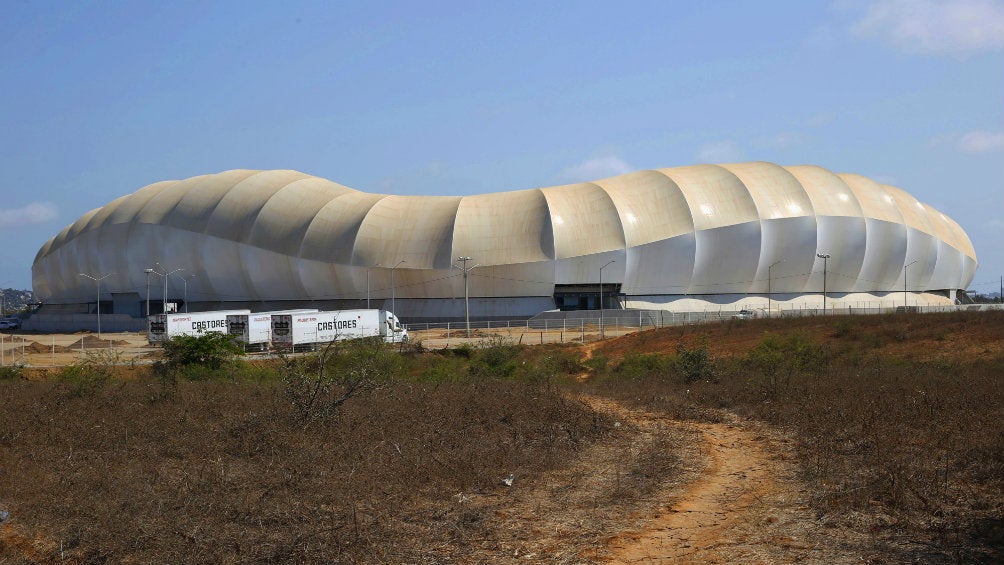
(60, 350)
(741, 504)
(735, 499)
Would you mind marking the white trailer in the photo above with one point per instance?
(308, 331)
(255, 330)
(163, 327)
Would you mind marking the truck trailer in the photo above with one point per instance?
(255, 330)
(296, 332)
(163, 327)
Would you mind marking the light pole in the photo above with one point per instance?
(393, 283)
(467, 305)
(904, 283)
(167, 275)
(98, 280)
(768, 285)
(368, 269)
(185, 280)
(148, 273)
(601, 296)
(824, 257)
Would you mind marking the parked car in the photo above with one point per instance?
(744, 315)
(6, 325)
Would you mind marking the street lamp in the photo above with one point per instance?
(368, 269)
(601, 296)
(393, 304)
(148, 273)
(167, 275)
(768, 285)
(185, 280)
(904, 283)
(824, 257)
(467, 306)
(98, 280)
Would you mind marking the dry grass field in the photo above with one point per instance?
(875, 439)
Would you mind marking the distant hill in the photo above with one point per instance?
(16, 300)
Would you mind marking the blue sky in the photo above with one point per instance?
(99, 99)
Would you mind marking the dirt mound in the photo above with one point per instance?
(36, 347)
(94, 342)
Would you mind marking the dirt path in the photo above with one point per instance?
(742, 504)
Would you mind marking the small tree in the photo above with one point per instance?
(695, 363)
(318, 385)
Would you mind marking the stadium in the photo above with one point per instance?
(682, 239)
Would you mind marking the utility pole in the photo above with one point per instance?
(904, 283)
(393, 305)
(148, 272)
(98, 304)
(769, 315)
(467, 304)
(824, 257)
(601, 296)
(368, 269)
(166, 275)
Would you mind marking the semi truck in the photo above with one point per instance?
(255, 330)
(297, 332)
(163, 327)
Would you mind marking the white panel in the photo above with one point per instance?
(650, 205)
(324, 281)
(522, 279)
(776, 193)
(884, 254)
(715, 196)
(272, 275)
(828, 193)
(791, 244)
(661, 267)
(415, 229)
(921, 247)
(520, 219)
(948, 270)
(726, 259)
(845, 240)
(225, 273)
(584, 220)
(586, 269)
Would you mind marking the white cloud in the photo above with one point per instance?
(981, 142)
(597, 168)
(931, 26)
(34, 213)
(720, 152)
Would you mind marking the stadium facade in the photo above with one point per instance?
(682, 239)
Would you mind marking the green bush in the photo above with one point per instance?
(777, 360)
(11, 372)
(695, 363)
(210, 350)
(91, 374)
(642, 365)
(497, 357)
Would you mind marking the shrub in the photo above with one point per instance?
(695, 363)
(318, 385)
(91, 374)
(211, 350)
(776, 360)
(11, 372)
(496, 357)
